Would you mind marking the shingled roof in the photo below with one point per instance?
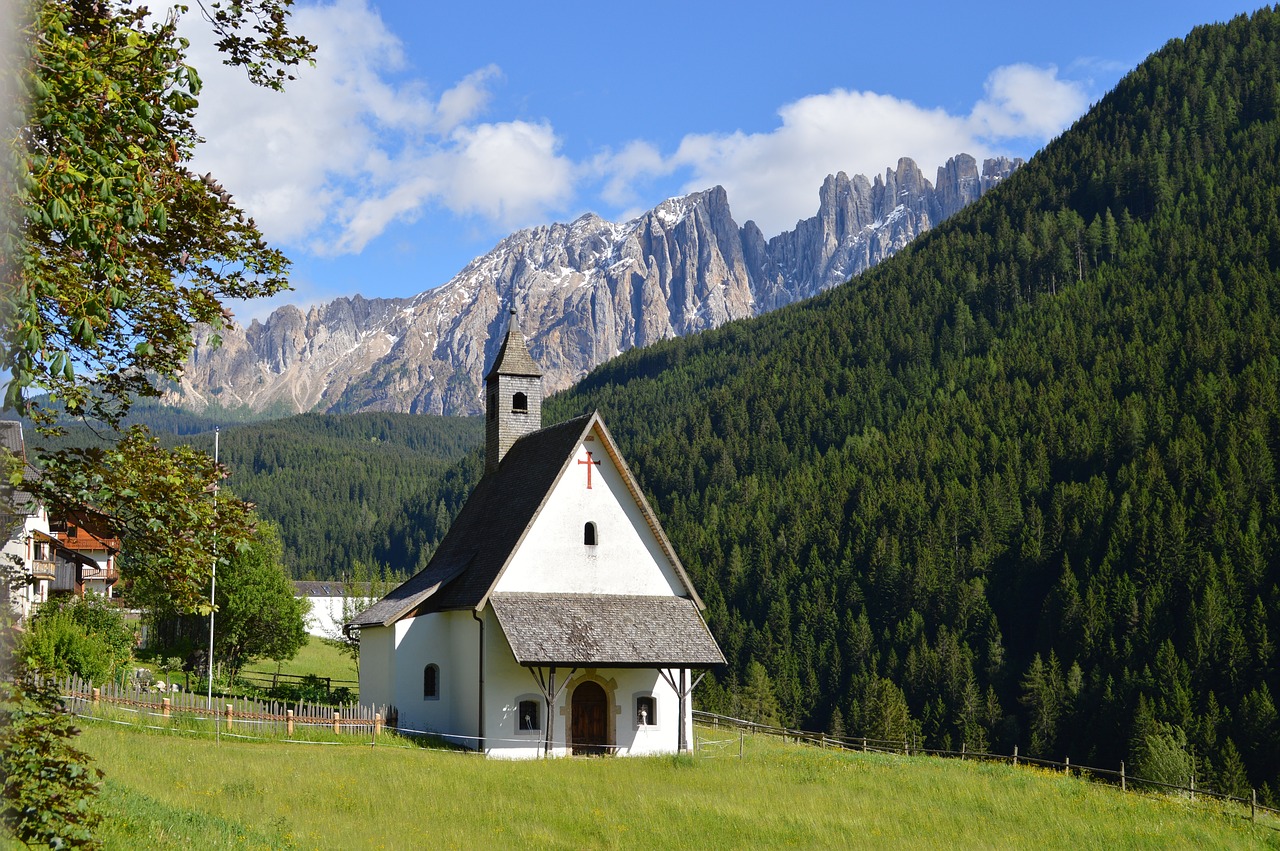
(18, 501)
(613, 630)
(513, 357)
(495, 519)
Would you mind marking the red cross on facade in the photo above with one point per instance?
(589, 464)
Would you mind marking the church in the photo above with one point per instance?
(555, 617)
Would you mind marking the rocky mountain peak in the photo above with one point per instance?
(585, 291)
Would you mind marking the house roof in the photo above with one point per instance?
(513, 357)
(16, 502)
(63, 551)
(482, 540)
(328, 588)
(612, 630)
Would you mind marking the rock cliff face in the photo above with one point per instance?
(584, 292)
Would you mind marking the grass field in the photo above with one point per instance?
(167, 791)
(316, 657)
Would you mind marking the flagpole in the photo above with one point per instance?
(213, 586)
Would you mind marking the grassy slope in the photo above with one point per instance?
(316, 657)
(177, 792)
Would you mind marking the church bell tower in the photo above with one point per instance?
(513, 397)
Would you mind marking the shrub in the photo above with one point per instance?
(85, 636)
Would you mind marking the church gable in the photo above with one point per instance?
(592, 535)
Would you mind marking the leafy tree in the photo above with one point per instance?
(360, 590)
(257, 616)
(1160, 753)
(112, 249)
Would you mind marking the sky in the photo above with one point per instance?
(427, 132)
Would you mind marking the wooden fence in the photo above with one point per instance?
(224, 714)
(1126, 781)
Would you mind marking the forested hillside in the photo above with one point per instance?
(374, 488)
(1018, 483)
(338, 486)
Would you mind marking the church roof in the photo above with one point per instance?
(612, 630)
(486, 534)
(513, 357)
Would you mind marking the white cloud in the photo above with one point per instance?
(1028, 102)
(347, 149)
(508, 172)
(357, 143)
(773, 177)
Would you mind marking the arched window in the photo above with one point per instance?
(520, 404)
(431, 682)
(589, 534)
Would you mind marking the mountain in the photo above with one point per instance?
(584, 292)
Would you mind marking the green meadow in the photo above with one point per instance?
(166, 790)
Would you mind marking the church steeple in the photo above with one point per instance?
(513, 397)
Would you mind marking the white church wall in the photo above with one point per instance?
(463, 675)
(377, 660)
(627, 557)
(420, 642)
(507, 683)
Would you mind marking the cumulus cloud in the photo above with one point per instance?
(773, 177)
(358, 143)
(1023, 101)
(348, 149)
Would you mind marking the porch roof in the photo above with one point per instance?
(606, 630)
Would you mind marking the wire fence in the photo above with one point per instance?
(242, 718)
(223, 714)
(1119, 777)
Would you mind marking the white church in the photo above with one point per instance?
(555, 617)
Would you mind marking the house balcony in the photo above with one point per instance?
(42, 569)
(99, 574)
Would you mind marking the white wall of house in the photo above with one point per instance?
(325, 616)
(627, 558)
(18, 552)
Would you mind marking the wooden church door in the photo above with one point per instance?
(590, 720)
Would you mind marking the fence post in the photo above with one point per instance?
(740, 741)
(229, 711)
(1015, 754)
(906, 749)
(1253, 805)
(864, 744)
(288, 722)
(1193, 785)
(1068, 766)
(336, 716)
(1122, 786)
(377, 724)
(963, 746)
(165, 706)
(97, 695)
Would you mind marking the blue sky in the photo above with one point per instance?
(427, 132)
